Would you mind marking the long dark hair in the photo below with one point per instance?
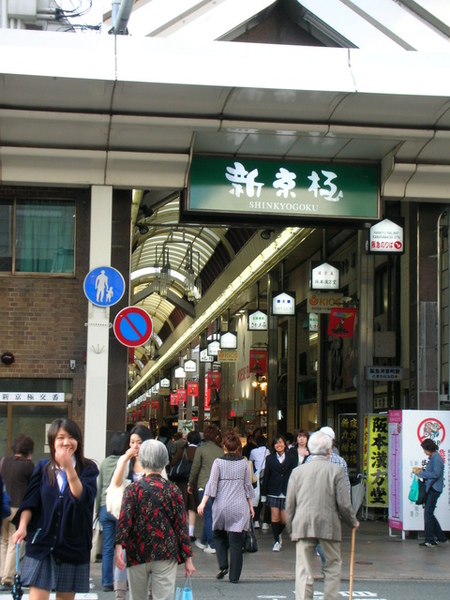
(72, 429)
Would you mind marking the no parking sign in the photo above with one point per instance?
(133, 326)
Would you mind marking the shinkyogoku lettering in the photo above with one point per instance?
(284, 206)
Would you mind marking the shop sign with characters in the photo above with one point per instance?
(376, 459)
(281, 189)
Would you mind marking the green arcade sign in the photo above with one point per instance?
(279, 191)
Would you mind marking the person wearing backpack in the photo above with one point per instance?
(191, 501)
(258, 455)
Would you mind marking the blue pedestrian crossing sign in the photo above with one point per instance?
(104, 286)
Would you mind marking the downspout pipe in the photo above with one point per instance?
(120, 15)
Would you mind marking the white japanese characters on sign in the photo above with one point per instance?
(384, 373)
(244, 182)
(386, 237)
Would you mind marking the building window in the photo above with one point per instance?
(37, 236)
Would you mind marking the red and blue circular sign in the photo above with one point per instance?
(133, 326)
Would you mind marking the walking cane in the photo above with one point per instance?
(352, 560)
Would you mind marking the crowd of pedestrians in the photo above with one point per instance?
(148, 510)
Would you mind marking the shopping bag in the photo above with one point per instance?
(414, 490)
(114, 497)
(422, 493)
(184, 593)
(97, 540)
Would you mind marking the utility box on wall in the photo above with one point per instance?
(384, 344)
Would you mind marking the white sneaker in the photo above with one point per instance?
(265, 527)
(209, 550)
(276, 547)
(200, 545)
(280, 540)
(256, 525)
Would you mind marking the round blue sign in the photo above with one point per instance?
(104, 286)
(133, 326)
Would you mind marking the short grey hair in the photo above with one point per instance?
(319, 443)
(153, 455)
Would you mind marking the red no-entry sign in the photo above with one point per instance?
(133, 326)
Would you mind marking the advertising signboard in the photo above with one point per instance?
(407, 429)
(228, 189)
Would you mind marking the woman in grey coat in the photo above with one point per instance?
(230, 485)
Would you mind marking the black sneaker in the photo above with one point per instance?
(428, 544)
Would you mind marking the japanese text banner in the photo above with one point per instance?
(284, 189)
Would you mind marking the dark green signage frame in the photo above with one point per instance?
(251, 190)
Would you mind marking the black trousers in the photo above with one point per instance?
(224, 541)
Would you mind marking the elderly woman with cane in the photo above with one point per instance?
(152, 529)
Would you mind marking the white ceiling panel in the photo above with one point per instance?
(216, 20)
(437, 147)
(390, 111)
(404, 25)
(370, 149)
(317, 147)
(229, 143)
(349, 24)
(439, 8)
(54, 129)
(267, 145)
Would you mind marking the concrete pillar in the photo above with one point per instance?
(272, 362)
(97, 350)
(365, 342)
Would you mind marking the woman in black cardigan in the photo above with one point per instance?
(276, 476)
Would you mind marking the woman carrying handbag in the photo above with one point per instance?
(230, 486)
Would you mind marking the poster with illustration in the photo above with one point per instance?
(407, 430)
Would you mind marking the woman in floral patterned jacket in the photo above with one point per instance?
(152, 529)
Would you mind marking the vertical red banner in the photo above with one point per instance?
(341, 323)
(257, 360)
(181, 396)
(192, 388)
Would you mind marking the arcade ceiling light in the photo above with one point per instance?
(289, 238)
(163, 272)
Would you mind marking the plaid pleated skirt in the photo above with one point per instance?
(47, 574)
(276, 502)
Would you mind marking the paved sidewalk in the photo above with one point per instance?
(377, 557)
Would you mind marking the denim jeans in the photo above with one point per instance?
(432, 527)
(109, 524)
(207, 534)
